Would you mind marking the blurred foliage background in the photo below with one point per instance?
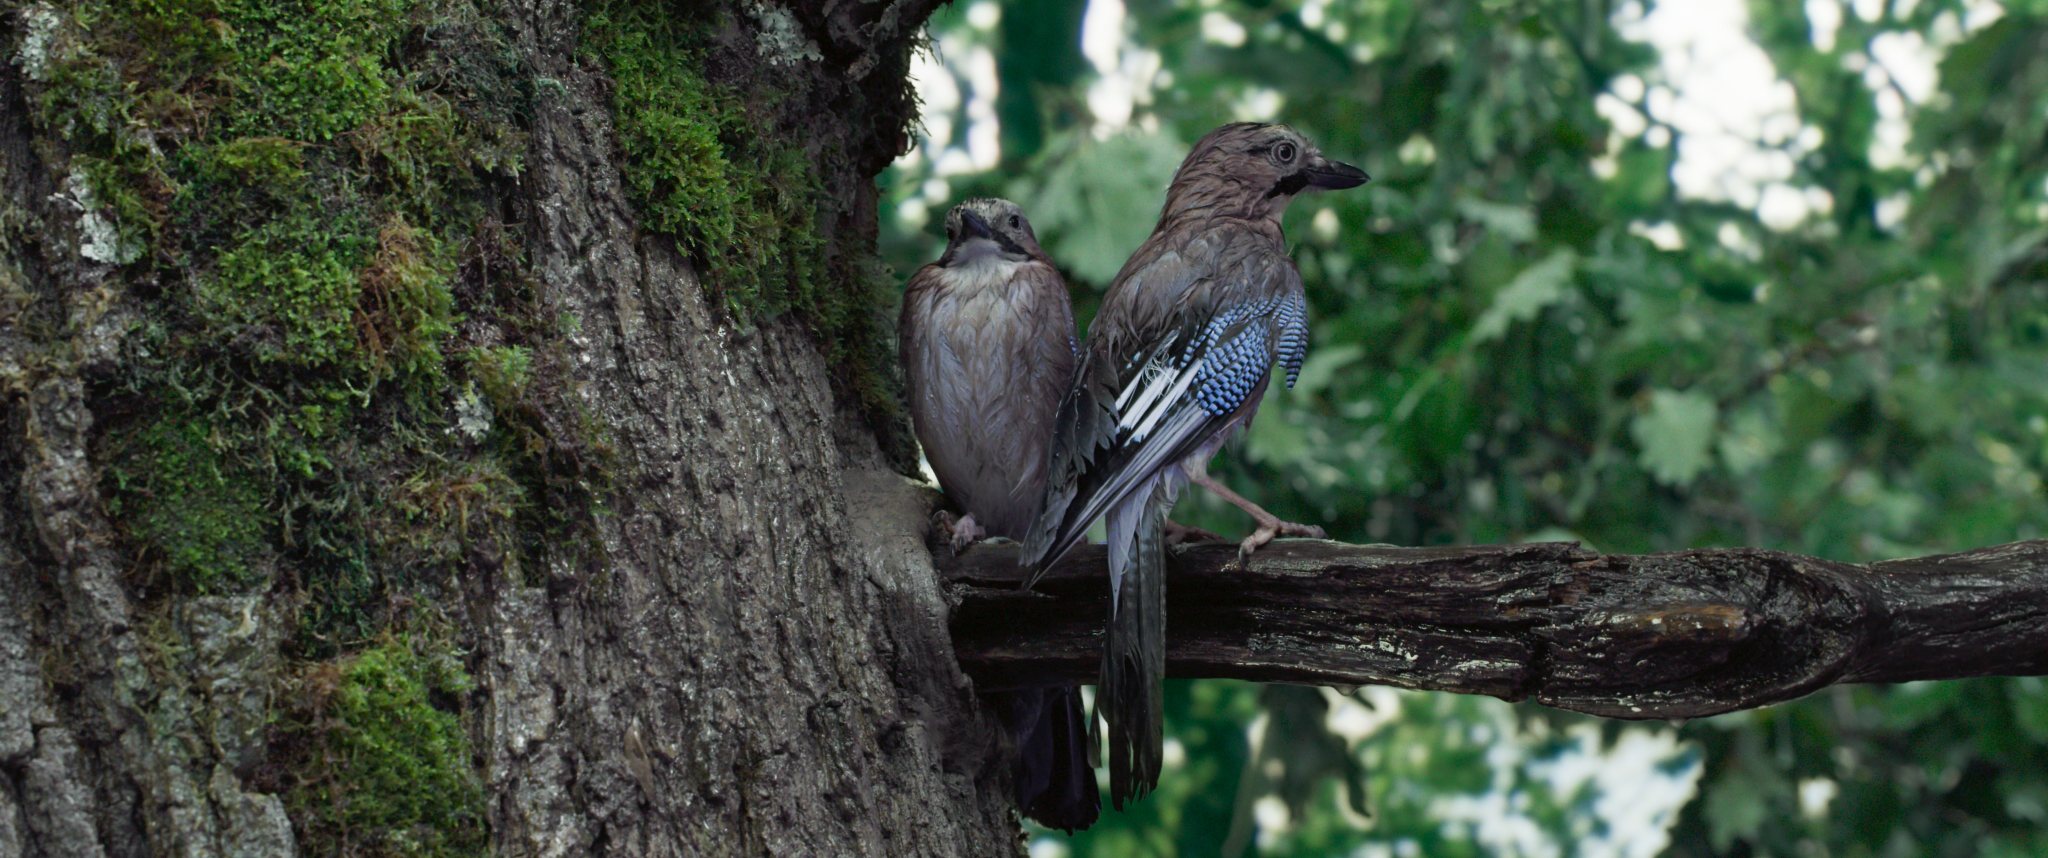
(1647, 276)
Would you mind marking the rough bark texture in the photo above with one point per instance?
(751, 659)
(1675, 635)
(761, 668)
(783, 625)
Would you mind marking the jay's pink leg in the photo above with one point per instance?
(1270, 525)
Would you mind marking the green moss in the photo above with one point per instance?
(711, 163)
(306, 70)
(701, 168)
(315, 188)
(405, 309)
(287, 289)
(382, 764)
(502, 373)
(669, 125)
(322, 64)
(201, 510)
(314, 184)
(271, 162)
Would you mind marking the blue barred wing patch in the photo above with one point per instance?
(1239, 354)
(1237, 347)
(1293, 324)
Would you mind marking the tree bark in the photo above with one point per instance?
(1674, 635)
(754, 658)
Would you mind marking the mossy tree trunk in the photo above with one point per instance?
(445, 427)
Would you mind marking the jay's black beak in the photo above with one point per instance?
(1334, 175)
(972, 224)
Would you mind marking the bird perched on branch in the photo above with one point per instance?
(987, 342)
(1174, 366)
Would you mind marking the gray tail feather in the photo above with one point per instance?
(1134, 649)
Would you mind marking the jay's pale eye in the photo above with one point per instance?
(1284, 152)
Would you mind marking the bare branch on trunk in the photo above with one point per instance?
(1673, 635)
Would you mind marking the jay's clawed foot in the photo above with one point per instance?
(961, 532)
(1270, 525)
(1177, 533)
(965, 532)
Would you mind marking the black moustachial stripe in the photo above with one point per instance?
(1290, 184)
(1005, 242)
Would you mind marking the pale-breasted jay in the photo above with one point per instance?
(987, 342)
(1174, 366)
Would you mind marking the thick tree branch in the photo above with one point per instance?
(1674, 635)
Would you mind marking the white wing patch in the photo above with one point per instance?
(1153, 370)
(1156, 391)
(1157, 405)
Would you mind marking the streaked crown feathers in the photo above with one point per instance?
(1254, 166)
(996, 222)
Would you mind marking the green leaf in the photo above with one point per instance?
(1751, 440)
(1537, 287)
(1323, 363)
(1098, 200)
(1514, 223)
(1674, 435)
(1734, 809)
(2030, 706)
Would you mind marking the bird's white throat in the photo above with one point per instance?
(981, 264)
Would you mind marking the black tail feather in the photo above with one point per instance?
(1055, 782)
(1131, 696)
